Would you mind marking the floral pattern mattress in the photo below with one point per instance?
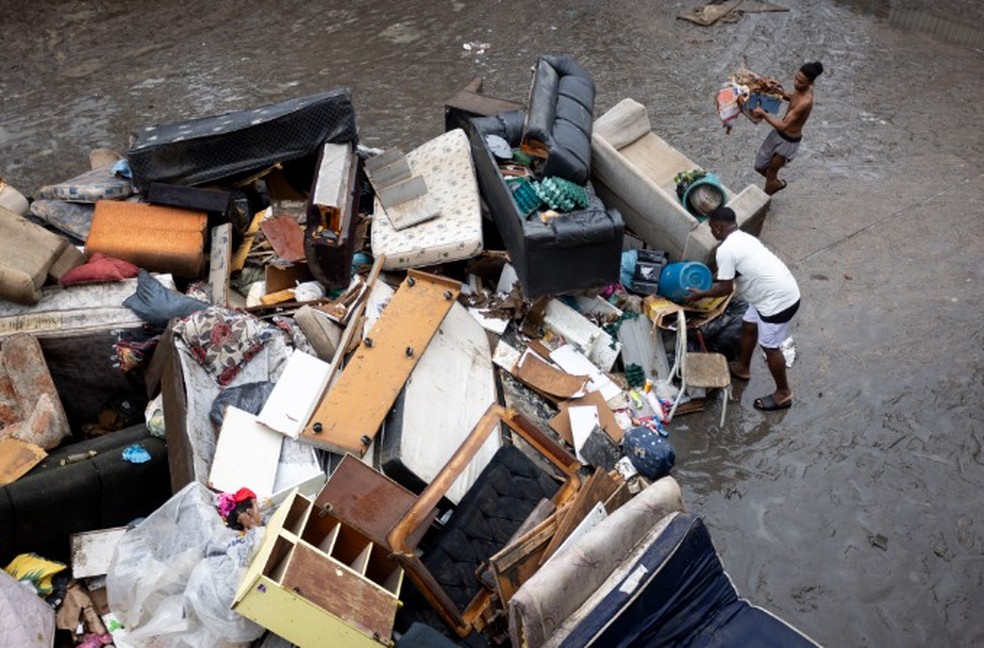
(445, 163)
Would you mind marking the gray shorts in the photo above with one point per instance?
(775, 144)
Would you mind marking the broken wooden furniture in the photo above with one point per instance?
(158, 239)
(332, 215)
(633, 170)
(318, 580)
(702, 370)
(576, 250)
(348, 416)
(29, 254)
(455, 232)
(646, 576)
(472, 102)
(559, 116)
(487, 517)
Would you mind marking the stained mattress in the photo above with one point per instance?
(445, 164)
(672, 590)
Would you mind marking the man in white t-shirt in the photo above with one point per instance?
(773, 298)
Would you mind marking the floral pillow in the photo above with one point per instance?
(222, 341)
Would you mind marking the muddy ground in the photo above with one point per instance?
(856, 515)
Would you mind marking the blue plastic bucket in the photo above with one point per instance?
(677, 277)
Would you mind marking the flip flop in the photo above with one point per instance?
(731, 370)
(777, 189)
(769, 404)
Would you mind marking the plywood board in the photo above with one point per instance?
(246, 454)
(286, 237)
(561, 424)
(598, 488)
(594, 517)
(339, 590)
(295, 395)
(366, 500)
(349, 415)
(220, 257)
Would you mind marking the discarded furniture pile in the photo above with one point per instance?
(290, 389)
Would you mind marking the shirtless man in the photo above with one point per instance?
(782, 143)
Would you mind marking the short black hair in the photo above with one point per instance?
(812, 70)
(724, 214)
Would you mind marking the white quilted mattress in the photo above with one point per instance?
(445, 163)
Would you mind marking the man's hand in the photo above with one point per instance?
(758, 112)
(693, 295)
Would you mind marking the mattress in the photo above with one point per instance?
(445, 164)
(455, 371)
(673, 590)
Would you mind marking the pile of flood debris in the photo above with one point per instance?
(265, 386)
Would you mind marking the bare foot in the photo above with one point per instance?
(771, 189)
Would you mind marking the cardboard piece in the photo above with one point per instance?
(546, 379)
(17, 458)
(561, 424)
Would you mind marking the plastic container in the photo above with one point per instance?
(676, 278)
(703, 196)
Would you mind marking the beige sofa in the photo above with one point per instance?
(633, 168)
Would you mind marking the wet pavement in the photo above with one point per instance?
(855, 515)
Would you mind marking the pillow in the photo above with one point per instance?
(156, 303)
(99, 269)
(222, 341)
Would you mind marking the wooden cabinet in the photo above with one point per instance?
(317, 581)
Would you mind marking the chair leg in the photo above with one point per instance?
(725, 397)
(676, 401)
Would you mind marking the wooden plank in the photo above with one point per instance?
(547, 379)
(517, 562)
(349, 415)
(286, 237)
(594, 517)
(598, 488)
(337, 589)
(17, 457)
(561, 424)
(220, 258)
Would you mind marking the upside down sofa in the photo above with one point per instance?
(578, 249)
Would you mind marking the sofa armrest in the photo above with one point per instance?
(648, 209)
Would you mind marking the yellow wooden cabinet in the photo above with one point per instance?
(318, 582)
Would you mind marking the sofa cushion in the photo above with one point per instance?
(27, 252)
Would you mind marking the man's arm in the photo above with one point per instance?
(792, 116)
(718, 289)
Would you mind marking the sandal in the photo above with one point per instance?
(769, 404)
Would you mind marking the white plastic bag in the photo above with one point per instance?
(173, 577)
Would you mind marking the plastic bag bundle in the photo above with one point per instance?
(173, 577)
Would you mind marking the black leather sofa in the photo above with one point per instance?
(559, 118)
(580, 249)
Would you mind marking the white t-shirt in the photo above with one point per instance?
(761, 278)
